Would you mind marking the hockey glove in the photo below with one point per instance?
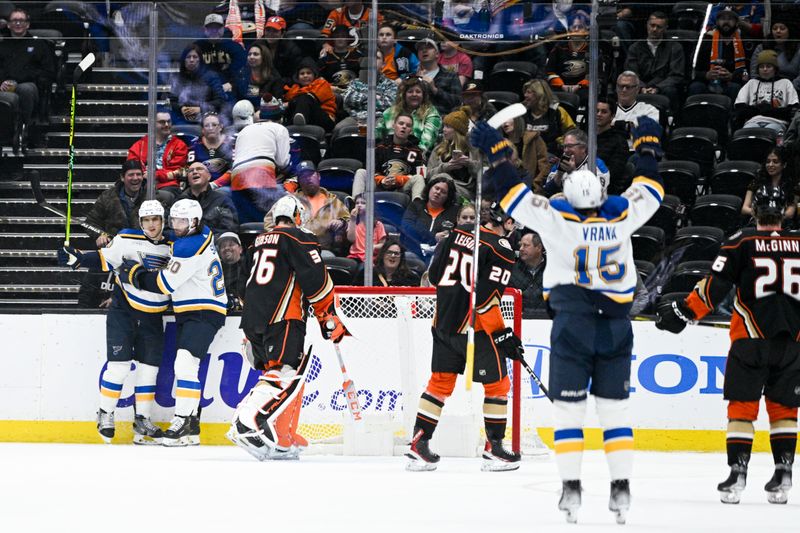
(69, 256)
(332, 328)
(508, 344)
(490, 141)
(129, 272)
(647, 137)
(673, 316)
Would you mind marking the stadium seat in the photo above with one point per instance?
(667, 217)
(248, 232)
(660, 102)
(648, 243)
(644, 268)
(344, 197)
(412, 36)
(688, 15)
(390, 206)
(680, 179)
(338, 173)
(5, 9)
(501, 99)
(733, 177)
(694, 144)
(708, 111)
(688, 40)
(349, 144)
(308, 39)
(511, 76)
(751, 144)
(71, 19)
(341, 269)
(187, 130)
(721, 211)
(311, 139)
(416, 264)
(10, 123)
(702, 242)
(571, 102)
(686, 275)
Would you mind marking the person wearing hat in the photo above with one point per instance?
(766, 101)
(234, 268)
(782, 39)
(479, 106)
(220, 53)
(341, 65)
(242, 113)
(310, 99)
(444, 86)
(286, 54)
(454, 156)
(219, 213)
(456, 61)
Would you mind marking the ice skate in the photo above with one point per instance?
(620, 499)
(730, 490)
(778, 487)
(498, 459)
(421, 458)
(255, 442)
(145, 432)
(570, 500)
(105, 425)
(183, 431)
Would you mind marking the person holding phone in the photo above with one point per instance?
(454, 156)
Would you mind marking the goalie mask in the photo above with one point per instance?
(151, 208)
(768, 204)
(583, 190)
(186, 216)
(291, 208)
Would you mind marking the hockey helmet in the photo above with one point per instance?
(151, 208)
(291, 208)
(496, 214)
(188, 209)
(769, 201)
(583, 190)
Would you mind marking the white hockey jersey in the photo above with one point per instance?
(194, 275)
(595, 252)
(132, 244)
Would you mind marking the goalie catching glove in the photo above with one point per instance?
(508, 344)
(69, 256)
(673, 316)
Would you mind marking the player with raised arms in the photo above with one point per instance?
(134, 327)
(450, 272)
(589, 282)
(763, 264)
(194, 279)
(287, 277)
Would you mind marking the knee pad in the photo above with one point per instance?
(498, 389)
(569, 414)
(186, 365)
(612, 413)
(778, 411)
(742, 410)
(442, 384)
(117, 371)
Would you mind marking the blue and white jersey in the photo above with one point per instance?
(133, 244)
(594, 253)
(194, 275)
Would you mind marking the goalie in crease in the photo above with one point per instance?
(287, 276)
(450, 272)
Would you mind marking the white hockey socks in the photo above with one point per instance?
(145, 388)
(187, 390)
(617, 436)
(569, 437)
(111, 384)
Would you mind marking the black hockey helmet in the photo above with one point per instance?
(496, 214)
(769, 201)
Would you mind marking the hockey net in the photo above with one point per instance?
(388, 358)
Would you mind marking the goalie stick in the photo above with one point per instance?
(38, 195)
(349, 389)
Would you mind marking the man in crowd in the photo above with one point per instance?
(612, 144)
(219, 214)
(234, 267)
(444, 86)
(171, 157)
(723, 58)
(575, 157)
(527, 274)
(221, 54)
(629, 108)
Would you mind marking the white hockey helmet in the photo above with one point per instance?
(188, 209)
(151, 208)
(291, 208)
(583, 190)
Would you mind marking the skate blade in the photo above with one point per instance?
(188, 440)
(494, 465)
(106, 440)
(779, 497)
(144, 440)
(417, 465)
(571, 515)
(621, 515)
(731, 497)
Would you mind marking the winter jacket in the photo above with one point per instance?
(175, 156)
(665, 69)
(321, 89)
(534, 158)
(201, 88)
(612, 148)
(112, 211)
(225, 57)
(247, 89)
(532, 287)
(403, 63)
(448, 91)
(219, 213)
(26, 59)
(418, 227)
(464, 177)
(356, 97)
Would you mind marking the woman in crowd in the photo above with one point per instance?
(213, 147)
(782, 39)
(195, 89)
(413, 98)
(533, 149)
(429, 219)
(466, 215)
(310, 98)
(390, 268)
(357, 231)
(454, 156)
(545, 115)
(774, 172)
(259, 76)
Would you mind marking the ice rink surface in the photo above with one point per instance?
(93, 488)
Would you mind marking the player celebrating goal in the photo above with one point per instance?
(764, 358)
(134, 328)
(589, 280)
(450, 272)
(287, 276)
(194, 279)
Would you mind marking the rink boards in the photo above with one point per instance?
(51, 364)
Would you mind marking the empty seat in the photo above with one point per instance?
(311, 138)
(694, 144)
(644, 268)
(511, 76)
(501, 99)
(390, 206)
(248, 232)
(702, 242)
(71, 19)
(733, 177)
(680, 179)
(751, 144)
(571, 102)
(648, 243)
(338, 173)
(688, 41)
(667, 216)
(686, 275)
(415, 264)
(308, 39)
(709, 111)
(688, 15)
(348, 144)
(412, 36)
(722, 211)
(341, 269)
(660, 102)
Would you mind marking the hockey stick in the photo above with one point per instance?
(38, 195)
(705, 324)
(497, 120)
(82, 67)
(535, 378)
(349, 389)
